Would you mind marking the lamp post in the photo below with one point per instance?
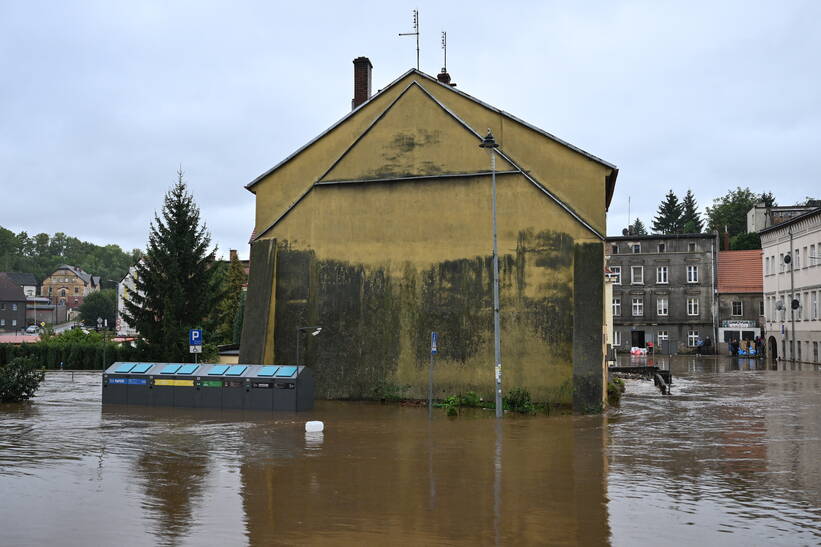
(491, 145)
(315, 330)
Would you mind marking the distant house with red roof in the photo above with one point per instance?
(740, 296)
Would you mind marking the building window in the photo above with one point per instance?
(662, 247)
(62, 292)
(781, 262)
(815, 352)
(49, 291)
(615, 249)
(637, 275)
(2, 322)
(800, 307)
(692, 338)
(14, 322)
(761, 307)
(14, 307)
(616, 274)
(799, 350)
(636, 248)
(616, 307)
(76, 290)
(638, 307)
(692, 306)
(662, 336)
(814, 308)
(691, 247)
(813, 258)
(767, 265)
(616, 338)
(738, 308)
(661, 275)
(806, 258)
(692, 274)
(661, 305)
(797, 263)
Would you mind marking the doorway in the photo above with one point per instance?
(637, 338)
(772, 348)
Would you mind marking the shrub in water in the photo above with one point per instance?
(518, 400)
(19, 380)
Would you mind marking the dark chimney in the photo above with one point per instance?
(725, 240)
(444, 77)
(232, 254)
(361, 81)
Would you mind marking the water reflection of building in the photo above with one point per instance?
(172, 470)
(370, 481)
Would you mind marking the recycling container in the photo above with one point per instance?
(261, 394)
(184, 386)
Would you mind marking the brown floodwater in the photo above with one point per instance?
(733, 456)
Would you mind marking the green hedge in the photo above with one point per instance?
(87, 351)
(93, 356)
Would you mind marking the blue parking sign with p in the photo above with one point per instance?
(195, 337)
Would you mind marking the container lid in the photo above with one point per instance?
(188, 369)
(217, 370)
(267, 371)
(141, 368)
(170, 369)
(236, 370)
(286, 372)
(125, 367)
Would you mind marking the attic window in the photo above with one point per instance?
(636, 248)
(615, 249)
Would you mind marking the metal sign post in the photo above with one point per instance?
(434, 339)
(195, 342)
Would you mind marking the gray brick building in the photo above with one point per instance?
(664, 293)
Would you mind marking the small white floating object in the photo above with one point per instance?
(314, 427)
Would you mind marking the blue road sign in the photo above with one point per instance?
(195, 337)
(434, 338)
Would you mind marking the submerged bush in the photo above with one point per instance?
(518, 400)
(19, 380)
(614, 390)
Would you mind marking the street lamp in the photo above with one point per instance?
(491, 145)
(313, 331)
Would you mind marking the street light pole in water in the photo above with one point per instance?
(491, 145)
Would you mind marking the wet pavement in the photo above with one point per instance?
(731, 457)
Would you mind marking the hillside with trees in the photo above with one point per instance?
(41, 254)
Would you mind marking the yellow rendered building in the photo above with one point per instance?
(379, 231)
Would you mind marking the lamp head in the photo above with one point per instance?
(489, 141)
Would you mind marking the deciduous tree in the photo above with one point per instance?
(731, 210)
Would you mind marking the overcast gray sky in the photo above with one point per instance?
(100, 102)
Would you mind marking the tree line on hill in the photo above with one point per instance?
(41, 254)
(728, 212)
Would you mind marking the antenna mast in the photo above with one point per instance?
(414, 33)
(445, 49)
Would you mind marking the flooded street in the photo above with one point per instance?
(731, 457)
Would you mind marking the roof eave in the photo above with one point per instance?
(430, 78)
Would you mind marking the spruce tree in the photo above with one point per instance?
(668, 219)
(637, 228)
(176, 283)
(691, 222)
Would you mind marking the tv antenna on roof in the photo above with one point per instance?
(414, 33)
(445, 49)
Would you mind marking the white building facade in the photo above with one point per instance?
(792, 288)
(125, 288)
